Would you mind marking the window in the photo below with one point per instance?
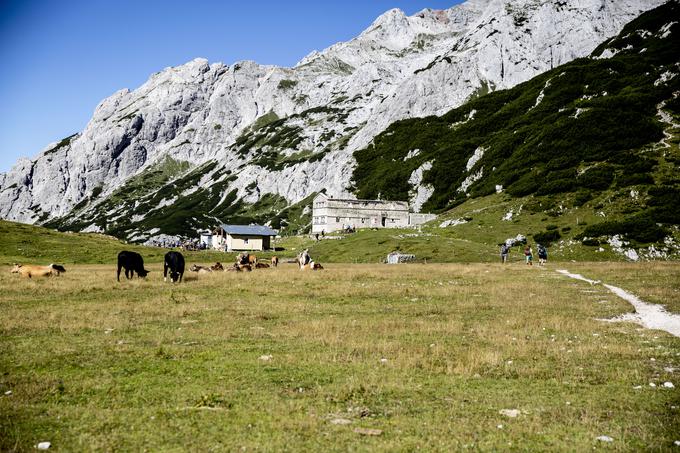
(245, 240)
(337, 219)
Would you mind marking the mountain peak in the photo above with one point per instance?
(392, 15)
(245, 131)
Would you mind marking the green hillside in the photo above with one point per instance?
(167, 198)
(21, 243)
(598, 135)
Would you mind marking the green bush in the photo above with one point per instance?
(639, 228)
(597, 178)
(582, 197)
(526, 185)
(547, 237)
(634, 179)
(664, 203)
(556, 186)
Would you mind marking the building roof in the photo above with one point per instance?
(251, 230)
(359, 200)
(403, 205)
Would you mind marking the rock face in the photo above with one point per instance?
(247, 130)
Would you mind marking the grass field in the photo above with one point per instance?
(281, 360)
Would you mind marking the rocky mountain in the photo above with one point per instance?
(597, 135)
(244, 142)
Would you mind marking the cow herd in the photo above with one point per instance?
(173, 265)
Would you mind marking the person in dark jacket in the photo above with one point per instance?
(504, 253)
(542, 254)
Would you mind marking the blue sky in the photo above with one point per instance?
(59, 59)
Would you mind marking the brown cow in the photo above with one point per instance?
(312, 266)
(275, 261)
(30, 271)
(239, 268)
(246, 258)
(200, 269)
(217, 267)
(261, 266)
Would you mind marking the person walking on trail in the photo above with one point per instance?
(504, 253)
(542, 254)
(529, 255)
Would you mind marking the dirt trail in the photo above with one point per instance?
(651, 316)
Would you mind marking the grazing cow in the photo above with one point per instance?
(261, 266)
(132, 262)
(200, 269)
(30, 271)
(275, 261)
(217, 267)
(303, 258)
(175, 262)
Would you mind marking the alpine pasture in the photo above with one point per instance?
(364, 357)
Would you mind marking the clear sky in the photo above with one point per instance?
(59, 59)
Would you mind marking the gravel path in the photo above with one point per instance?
(651, 316)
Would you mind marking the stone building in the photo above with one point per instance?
(331, 214)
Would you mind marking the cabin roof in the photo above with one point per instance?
(250, 230)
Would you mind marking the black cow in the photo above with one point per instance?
(132, 262)
(175, 262)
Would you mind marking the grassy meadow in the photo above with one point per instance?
(278, 360)
(361, 357)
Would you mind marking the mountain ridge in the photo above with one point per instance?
(266, 126)
(600, 133)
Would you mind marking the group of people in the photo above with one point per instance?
(185, 245)
(528, 254)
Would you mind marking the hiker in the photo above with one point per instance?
(542, 254)
(529, 255)
(504, 253)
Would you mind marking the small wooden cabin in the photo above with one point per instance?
(243, 238)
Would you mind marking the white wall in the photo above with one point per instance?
(332, 215)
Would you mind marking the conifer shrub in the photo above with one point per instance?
(556, 186)
(664, 204)
(526, 185)
(547, 237)
(633, 179)
(597, 178)
(638, 228)
(582, 196)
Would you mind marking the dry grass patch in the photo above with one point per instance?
(429, 354)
